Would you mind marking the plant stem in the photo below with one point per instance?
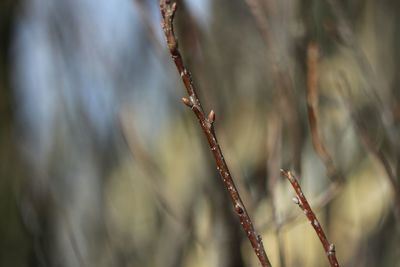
(168, 10)
(301, 200)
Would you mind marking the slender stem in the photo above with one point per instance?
(301, 200)
(320, 202)
(312, 109)
(168, 10)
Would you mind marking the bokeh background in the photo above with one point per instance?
(101, 165)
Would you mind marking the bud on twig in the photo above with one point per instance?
(187, 102)
(211, 116)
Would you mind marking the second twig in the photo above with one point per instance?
(301, 200)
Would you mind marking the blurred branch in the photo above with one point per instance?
(371, 146)
(168, 10)
(260, 11)
(348, 38)
(312, 107)
(301, 200)
(256, 10)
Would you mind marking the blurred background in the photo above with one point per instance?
(101, 164)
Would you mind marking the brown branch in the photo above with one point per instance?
(301, 200)
(312, 108)
(320, 202)
(168, 10)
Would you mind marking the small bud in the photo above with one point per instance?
(187, 102)
(290, 176)
(296, 200)
(332, 249)
(174, 6)
(211, 116)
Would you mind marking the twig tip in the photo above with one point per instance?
(174, 7)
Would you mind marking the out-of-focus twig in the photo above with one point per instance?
(373, 148)
(312, 109)
(349, 39)
(256, 10)
(168, 10)
(260, 11)
(301, 200)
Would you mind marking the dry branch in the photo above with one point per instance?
(168, 10)
(301, 200)
(312, 110)
(320, 202)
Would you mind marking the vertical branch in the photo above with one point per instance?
(281, 75)
(168, 10)
(301, 200)
(312, 107)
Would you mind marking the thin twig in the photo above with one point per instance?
(301, 200)
(312, 109)
(168, 10)
(320, 202)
